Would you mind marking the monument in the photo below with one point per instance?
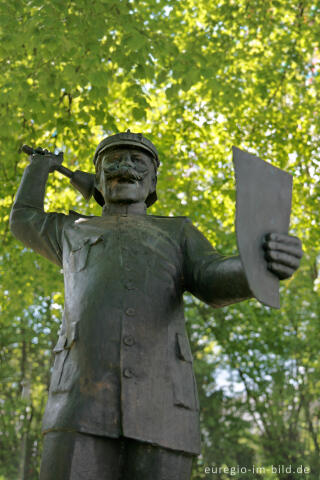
(123, 399)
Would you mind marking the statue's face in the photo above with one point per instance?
(126, 175)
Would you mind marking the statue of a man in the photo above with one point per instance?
(123, 399)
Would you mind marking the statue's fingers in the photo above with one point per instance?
(283, 238)
(36, 155)
(282, 271)
(283, 258)
(290, 249)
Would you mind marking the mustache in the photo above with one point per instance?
(124, 171)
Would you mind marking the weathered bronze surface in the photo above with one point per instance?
(110, 458)
(123, 365)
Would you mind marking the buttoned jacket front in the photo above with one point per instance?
(123, 363)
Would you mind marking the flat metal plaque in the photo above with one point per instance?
(263, 206)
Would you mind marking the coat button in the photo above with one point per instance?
(130, 286)
(128, 340)
(127, 372)
(130, 311)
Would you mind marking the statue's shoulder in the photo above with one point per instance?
(75, 218)
(170, 224)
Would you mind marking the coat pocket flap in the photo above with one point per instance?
(73, 334)
(183, 348)
(61, 343)
(78, 257)
(79, 253)
(95, 239)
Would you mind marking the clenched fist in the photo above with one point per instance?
(46, 156)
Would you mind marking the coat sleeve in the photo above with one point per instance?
(28, 222)
(216, 279)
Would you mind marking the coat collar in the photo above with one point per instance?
(124, 209)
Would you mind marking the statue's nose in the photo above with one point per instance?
(126, 158)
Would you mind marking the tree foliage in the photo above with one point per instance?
(196, 77)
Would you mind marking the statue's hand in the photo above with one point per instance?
(283, 253)
(52, 159)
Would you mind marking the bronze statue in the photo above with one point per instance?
(123, 399)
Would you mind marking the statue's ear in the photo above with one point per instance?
(98, 174)
(98, 197)
(97, 182)
(97, 192)
(153, 185)
(152, 197)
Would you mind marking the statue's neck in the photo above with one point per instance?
(124, 209)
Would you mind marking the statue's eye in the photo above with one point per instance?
(111, 158)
